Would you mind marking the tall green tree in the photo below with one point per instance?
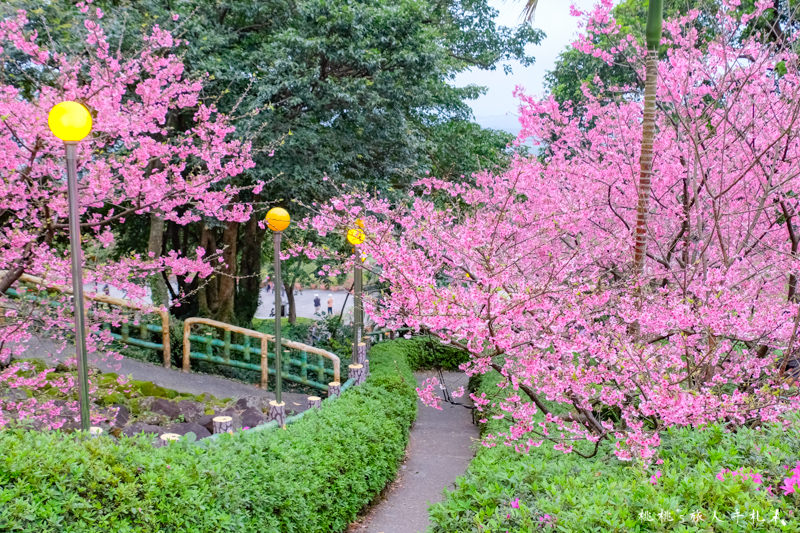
(356, 90)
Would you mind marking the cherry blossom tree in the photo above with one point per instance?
(533, 271)
(136, 161)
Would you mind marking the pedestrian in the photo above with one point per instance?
(330, 304)
(317, 304)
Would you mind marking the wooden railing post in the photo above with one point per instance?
(187, 331)
(264, 363)
(165, 333)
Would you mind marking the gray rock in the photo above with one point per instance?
(141, 427)
(14, 395)
(252, 402)
(70, 414)
(122, 417)
(161, 406)
(252, 418)
(189, 427)
(206, 422)
(190, 410)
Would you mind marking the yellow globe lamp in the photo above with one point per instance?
(278, 219)
(356, 236)
(70, 121)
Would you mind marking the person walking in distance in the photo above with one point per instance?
(330, 304)
(317, 304)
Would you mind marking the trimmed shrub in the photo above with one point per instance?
(706, 482)
(427, 352)
(314, 477)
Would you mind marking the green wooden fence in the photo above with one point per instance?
(301, 363)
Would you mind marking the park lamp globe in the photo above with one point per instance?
(278, 219)
(356, 236)
(70, 121)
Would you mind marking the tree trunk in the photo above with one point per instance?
(289, 286)
(654, 23)
(249, 287)
(155, 245)
(227, 276)
(277, 412)
(361, 353)
(13, 274)
(204, 307)
(357, 373)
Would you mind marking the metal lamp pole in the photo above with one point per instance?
(71, 122)
(276, 243)
(358, 317)
(77, 283)
(355, 237)
(278, 220)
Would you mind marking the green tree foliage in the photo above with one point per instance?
(458, 148)
(358, 90)
(574, 69)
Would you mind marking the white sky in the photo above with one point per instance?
(498, 108)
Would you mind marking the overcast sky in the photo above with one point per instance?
(498, 108)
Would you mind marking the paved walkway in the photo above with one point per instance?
(304, 300)
(192, 383)
(439, 450)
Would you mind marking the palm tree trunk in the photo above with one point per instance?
(654, 23)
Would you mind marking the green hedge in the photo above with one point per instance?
(313, 477)
(426, 352)
(558, 492)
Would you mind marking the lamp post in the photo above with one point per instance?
(278, 220)
(356, 236)
(71, 122)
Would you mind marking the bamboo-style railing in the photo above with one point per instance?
(302, 364)
(296, 365)
(124, 336)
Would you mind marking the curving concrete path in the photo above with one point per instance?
(191, 383)
(439, 450)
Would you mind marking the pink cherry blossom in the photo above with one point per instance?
(135, 161)
(529, 270)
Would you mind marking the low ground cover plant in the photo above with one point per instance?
(708, 479)
(38, 396)
(313, 477)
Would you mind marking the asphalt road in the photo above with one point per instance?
(304, 300)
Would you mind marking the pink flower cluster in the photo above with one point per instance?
(530, 270)
(135, 161)
(791, 485)
(741, 474)
(51, 399)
